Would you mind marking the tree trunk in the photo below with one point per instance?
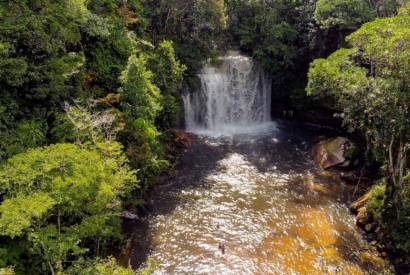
(397, 162)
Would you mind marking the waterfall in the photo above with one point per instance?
(235, 96)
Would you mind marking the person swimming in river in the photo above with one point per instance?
(221, 247)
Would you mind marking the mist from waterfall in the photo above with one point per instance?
(234, 98)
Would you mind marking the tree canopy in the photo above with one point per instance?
(369, 85)
(58, 197)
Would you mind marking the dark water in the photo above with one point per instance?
(253, 204)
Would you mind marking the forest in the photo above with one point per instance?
(92, 95)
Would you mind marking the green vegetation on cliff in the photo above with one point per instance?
(368, 83)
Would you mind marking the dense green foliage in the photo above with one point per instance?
(376, 200)
(196, 26)
(262, 27)
(343, 14)
(59, 198)
(84, 75)
(287, 35)
(369, 85)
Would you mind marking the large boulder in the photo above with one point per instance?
(330, 152)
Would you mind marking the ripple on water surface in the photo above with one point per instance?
(251, 205)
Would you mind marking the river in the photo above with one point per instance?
(241, 199)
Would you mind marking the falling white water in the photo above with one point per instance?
(235, 98)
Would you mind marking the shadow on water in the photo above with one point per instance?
(301, 226)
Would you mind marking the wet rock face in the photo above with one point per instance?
(330, 152)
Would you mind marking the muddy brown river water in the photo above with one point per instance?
(243, 205)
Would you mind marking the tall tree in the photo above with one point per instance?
(56, 200)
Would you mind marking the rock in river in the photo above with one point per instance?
(363, 217)
(330, 152)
